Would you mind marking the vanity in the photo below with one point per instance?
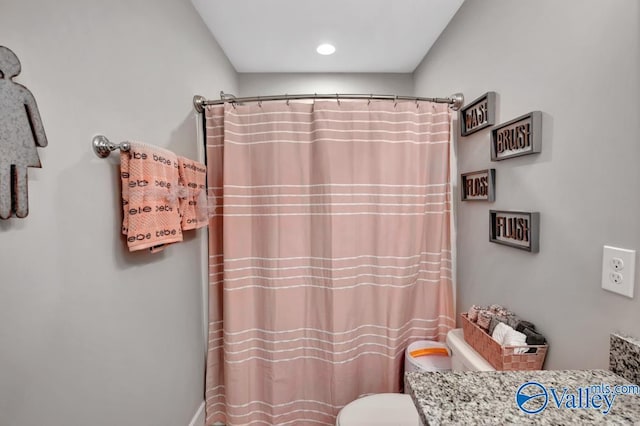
(547, 397)
(489, 397)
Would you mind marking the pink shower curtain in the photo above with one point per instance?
(330, 252)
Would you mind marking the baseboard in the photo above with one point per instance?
(198, 418)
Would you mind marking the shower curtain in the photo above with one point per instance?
(330, 252)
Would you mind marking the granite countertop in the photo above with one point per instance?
(489, 397)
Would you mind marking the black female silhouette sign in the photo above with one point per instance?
(21, 131)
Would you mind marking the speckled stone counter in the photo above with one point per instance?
(468, 398)
(624, 357)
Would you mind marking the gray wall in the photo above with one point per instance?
(578, 62)
(258, 84)
(90, 334)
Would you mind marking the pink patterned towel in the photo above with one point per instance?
(149, 199)
(193, 200)
(500, 310)
(484, 319)
(473, 312)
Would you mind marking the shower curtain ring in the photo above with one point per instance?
(286, 95)
(338, 99)
(259, 102)
(395, 101)
(370, 97)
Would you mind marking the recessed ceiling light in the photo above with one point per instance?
(326, 49)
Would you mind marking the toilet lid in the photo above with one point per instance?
(381, 409)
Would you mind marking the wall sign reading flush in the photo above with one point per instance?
(515, 229)
(21, 131)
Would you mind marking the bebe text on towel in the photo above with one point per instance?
(21, 130)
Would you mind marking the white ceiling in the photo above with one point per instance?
(369, 35)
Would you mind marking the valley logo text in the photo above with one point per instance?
(533, 398)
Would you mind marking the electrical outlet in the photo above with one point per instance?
(615, 277)
(616, 264)
(618, 270)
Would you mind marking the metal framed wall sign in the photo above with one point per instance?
(520, 136)
(515, 229)
(478, 114)
(479, 185)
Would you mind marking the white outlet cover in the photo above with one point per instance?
(628, 257)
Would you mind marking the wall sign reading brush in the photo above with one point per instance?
(515, 229)
(520, 136)
(478, 114)
(479, 186)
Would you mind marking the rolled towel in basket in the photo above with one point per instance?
(507, 336)
(513, 320)
(515, 338)
(533, 337)
(484, 319)
(522, 324)
(472, 313)
(495, 320)
(500, 310)
(518, 323)
(500, 332)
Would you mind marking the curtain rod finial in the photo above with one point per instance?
(457, 100)
(198, 103)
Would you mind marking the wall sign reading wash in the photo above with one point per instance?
(515, 229)
(478, 114)
(520, 136)
(479, 186)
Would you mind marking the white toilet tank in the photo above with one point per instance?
(426, 363)
(463, 356)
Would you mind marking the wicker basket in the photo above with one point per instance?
(502, 358)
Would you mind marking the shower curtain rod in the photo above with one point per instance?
(455, 101)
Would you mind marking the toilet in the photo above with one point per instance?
(398, 409)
